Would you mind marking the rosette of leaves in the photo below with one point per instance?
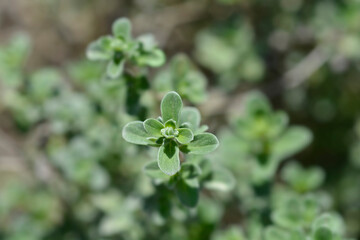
(177, 130)
(301, 179)
(183, 77)
(265, 135)
(120, 47)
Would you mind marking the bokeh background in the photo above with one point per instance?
(57, 154)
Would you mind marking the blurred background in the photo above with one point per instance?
(61, 155)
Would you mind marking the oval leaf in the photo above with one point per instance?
(202, 144)
(190, 115)
(185, 135)
(122, 28)
(134, 132)
(114, 70)
(168, 158)
(153, 127)
(171, 106)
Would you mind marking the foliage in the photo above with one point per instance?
(90, 161)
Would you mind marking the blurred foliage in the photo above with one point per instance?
(67, 173)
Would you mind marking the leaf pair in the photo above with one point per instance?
(120, 47)
(176, 130)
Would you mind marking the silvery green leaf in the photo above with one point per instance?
(190, 170)
(187, 190)
(153, 127)
(203, 143)
(134, 132)
(100, 49)
(332, 221)
(114, 70)
(291, 141)
(148, 41)
(122, 28)
(190, 115)
(168, 158)
(154, 58)
(152, 170)
(185, 136)
(171, 106)
(170, 123)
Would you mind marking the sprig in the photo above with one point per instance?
(177, 130)
(120, 47)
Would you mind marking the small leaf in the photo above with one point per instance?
(134, 132)
(168, 158)
(122, 28)
(292, 141)
(192, 116)
(171, 106)
(153, 171)
(202, 144)
(99, 49)
(114, 70)
(185, 135)
(153, 127)
(154, 58)
(187, 190)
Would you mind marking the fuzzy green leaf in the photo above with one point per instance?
(185, 135)
(114, 70)
(153, 127)
(192, 116)
(292, 141)
(171, 106)
(100, 49)
(154, 58)
(122, 28)
(187, 190)
(134, 132)
(203, 143)
(168, 158)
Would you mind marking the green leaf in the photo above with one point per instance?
(170, 123)
(153, 127)
(323, 233)
(154, 58)
(122, 28)
(114, 70)
(187, 190)
(100, 49)
(171, 106)
(301, 179)
(152, 170)
(134, 132)
(192, 116)
(203, 143)
(168, 158)
(221, 180)
(332, 221)
(185, 135)
(292, 141)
